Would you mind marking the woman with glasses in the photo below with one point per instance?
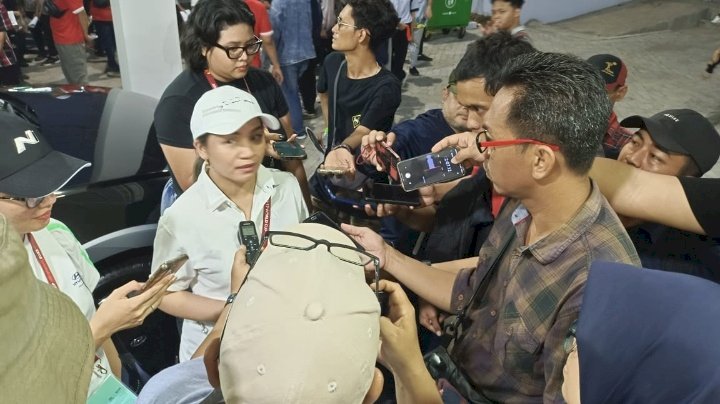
(218, 47)
(30, 173)
(233, 192)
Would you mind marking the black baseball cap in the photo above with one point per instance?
(29, 167)
(611, 68)
(682, 131)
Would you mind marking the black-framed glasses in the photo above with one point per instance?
(29, 202)
(236, 52)
(342, 252)
(484, 146)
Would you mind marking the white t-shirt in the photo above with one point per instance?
(402, 8)
(74, 273)
(203, 223)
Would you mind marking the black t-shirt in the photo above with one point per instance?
(703, 194)
(370, 102)
(174, 110)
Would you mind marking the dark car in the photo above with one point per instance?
(113, 207)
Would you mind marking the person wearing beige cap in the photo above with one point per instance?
(47, 350)
(232, 187)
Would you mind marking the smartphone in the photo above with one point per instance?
(347, 197)
(429, 169)
(390, 193)
(249, 238)
(331, 171)
(388, 160)
(289, 151)
(168, 267)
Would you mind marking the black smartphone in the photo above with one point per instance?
(429, 169)
(247, 235)
(168, 267)
(289, 151)
(388, 160)
(390, 193)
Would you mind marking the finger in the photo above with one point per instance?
(369, 210)
(124, 290)
(240, 255)
(292, 137)
(354, 231)
(273, 136)
(153, 295)
(398, 302)
(390, 138)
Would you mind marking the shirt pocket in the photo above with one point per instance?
(520, 350)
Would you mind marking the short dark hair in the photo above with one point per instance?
(485, 57)
(690, 169)
(377, 16)
(513, 3)
(558, 99)
(207, 20)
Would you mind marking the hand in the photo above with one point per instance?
(368, 146)
(386, 209)
(468, 152)
(369, 240)
(489, 28)
(341, 158)
(429, 317)
(428, 195)
(118, 312)
(277, 74)
(715, 56)
(428, 13)
(240, 269)
(398, 331)
(401, 26)
(89, 42)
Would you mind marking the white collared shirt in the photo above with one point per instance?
(203, 223)
(74, 273)
(402, 8)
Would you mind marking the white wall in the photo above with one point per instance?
(551, 10)
(148, 44)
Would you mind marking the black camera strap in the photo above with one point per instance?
(331, 131)
(452, 326)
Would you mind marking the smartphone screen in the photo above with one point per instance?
(289, 150)
(429, 169)
(388, 159)
(391, 193)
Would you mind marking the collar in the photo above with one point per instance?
(517, 29)
(215, 198)
(613, 123)
(550, 247)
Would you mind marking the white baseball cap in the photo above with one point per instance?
(223, 110)
(304, 328)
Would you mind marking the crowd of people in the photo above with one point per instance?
(528, 280)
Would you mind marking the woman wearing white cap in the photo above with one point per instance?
(228, 127)
(30, 172)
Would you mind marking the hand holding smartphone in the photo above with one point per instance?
(289, 151)
(390, 193)
(167, 268)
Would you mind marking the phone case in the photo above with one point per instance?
(288, 151)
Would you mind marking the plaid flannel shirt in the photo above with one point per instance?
(616, 137)
(7, 55)
(511, 348)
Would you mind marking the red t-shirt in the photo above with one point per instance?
(100, 13)
(262, 24)
(66, 30)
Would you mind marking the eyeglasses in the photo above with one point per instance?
(29, 202)
(235, 52)
(342, 252)
(484, 146)
(340, 22)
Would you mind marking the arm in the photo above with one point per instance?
(271, 51)
(84, 24)
(181, 162)
(644, 195)
(190, 306)
(297, 169)
(400, 349)
(432, 285)
(113, 358)
(324, 106)
(455, 266)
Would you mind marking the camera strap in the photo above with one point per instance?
(331, 133)
(453, 325)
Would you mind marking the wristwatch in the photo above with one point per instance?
(230, 298)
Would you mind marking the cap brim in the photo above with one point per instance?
(660, 134)
(217, 127)
(44, 176)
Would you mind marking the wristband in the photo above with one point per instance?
(230, 298)
(344, 146)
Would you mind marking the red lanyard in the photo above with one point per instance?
(266, 222)
(41, 260)
(210, 79)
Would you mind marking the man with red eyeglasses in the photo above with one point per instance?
(537, 143)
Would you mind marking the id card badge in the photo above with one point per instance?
(111, 390)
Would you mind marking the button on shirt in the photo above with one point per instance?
(203, 223)
(512, 346)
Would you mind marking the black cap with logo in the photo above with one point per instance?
(29, 167)
(682, 131)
